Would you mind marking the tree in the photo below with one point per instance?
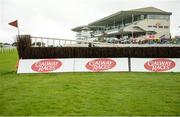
(14, 44)
(1, 45)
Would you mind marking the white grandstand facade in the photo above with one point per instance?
(131, 25)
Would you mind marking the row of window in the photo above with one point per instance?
(164, 17)
(158, 26)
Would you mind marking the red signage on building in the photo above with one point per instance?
(46, 65)
(101, 64)
(151, 36)
(160, 64)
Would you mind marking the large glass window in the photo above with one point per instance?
(165, 17)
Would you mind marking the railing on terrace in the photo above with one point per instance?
(118, 27)
(114, 29)
(98, 33)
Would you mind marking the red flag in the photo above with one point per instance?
(14, 23)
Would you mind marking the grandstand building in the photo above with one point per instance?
(131, 25)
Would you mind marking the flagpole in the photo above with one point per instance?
(18, 31)
(18, 27)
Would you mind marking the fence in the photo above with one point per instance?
(7, 49)
(95, 59)
(58, 42)
(27, 51)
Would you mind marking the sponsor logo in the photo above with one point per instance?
(158, 65)
(101, 64)
(46, 65)
(151, 36)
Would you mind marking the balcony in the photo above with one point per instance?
(98, 33)
(111, 31)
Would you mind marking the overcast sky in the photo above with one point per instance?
(56, 18)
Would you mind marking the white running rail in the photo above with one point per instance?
(57, 42)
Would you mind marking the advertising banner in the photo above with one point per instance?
(155, 64)
(101, 64)
(45, 65)
(72, 65)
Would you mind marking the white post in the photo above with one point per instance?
(59, 42)
(35, 42)
(53, 42)
(47, 42)
(41, 42)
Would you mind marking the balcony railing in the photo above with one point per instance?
(113, 29)
(98, 33)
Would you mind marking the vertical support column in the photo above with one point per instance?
(122, 23)
(122, 26)
(41, 43)
(129, 59)
(129, 64)
(132, 23)
(35, 42)
(114, 24)
(92, 44)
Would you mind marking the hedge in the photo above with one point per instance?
(25, 51)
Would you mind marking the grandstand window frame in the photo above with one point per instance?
(164, 17)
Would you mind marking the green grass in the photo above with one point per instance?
(86, 93)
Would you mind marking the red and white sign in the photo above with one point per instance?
(46, 65)
(100, 64)
(159, 65)
(151, 36)
(72, 65)
(155, 64)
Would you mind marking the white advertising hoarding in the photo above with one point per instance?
(45, 65)
(101, 64)
(155, 64)
(72, 65)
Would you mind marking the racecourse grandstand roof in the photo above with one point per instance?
(78, 28)
(123, 14)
